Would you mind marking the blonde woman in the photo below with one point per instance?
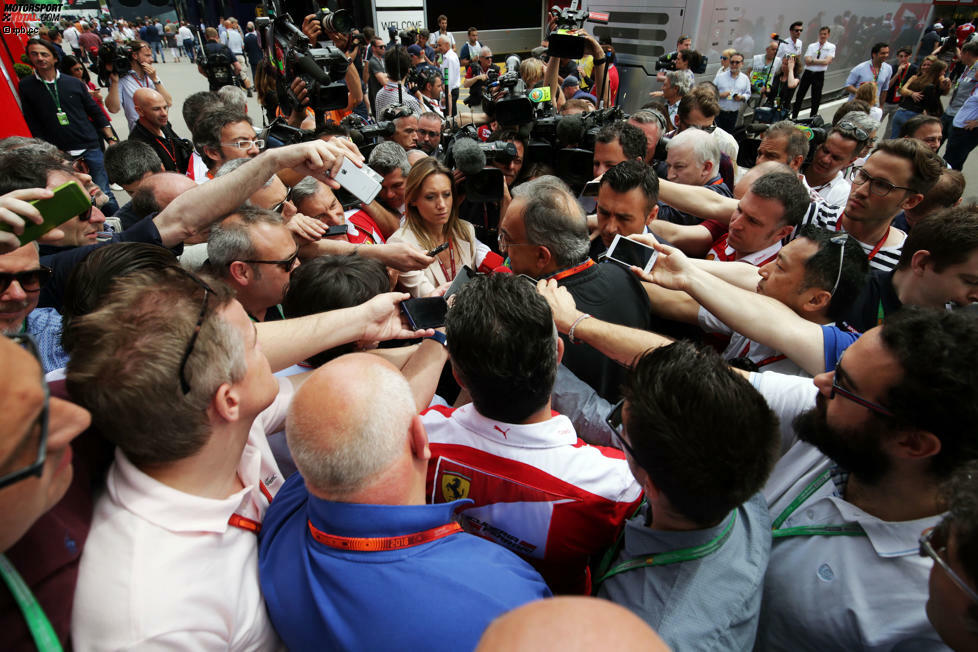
(867, 93)
(724, 62)
(432, 221)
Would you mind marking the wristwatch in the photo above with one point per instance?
(439, 337)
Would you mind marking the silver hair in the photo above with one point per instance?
(863, 121)
(703, 145)
(234, 97)
(387, 157)
(305, 189)
(229, 239)
(553, 219)
(360, 449)
(679, 80)
(232, 165)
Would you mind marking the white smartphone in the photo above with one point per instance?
(363, 183)
(629, 252)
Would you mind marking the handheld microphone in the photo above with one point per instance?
(570, 130)
(492, 263)
(469, 157)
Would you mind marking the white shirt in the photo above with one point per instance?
(184, 33)
(867, 72)
(740, 346)
(235, 41)
(739, 85)
(163, 569)
(817, 51)
(727, 143)
(836, 191)
(128, 85)
(451, 64)
(836, 592)
(71, 38)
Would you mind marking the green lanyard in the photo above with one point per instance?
(44, 636)
(672, 557)
(849, 530)
(55, 95)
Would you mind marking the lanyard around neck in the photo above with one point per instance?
(777, 532)
(38, 623)
(671, 557)
(576, 269)
(380, 544)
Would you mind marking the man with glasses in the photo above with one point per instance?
(254, 253)
(223, 134)
(691, 562)
(376, 72)
(35, 474)
(841, 148)
(698, 110)
(477, 76)
(21, 279)
(733, 87)
(953, 600)
(537, 490)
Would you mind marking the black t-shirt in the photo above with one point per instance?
(877, 301)
(174, 152)
(611, 293)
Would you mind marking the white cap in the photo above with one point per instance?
(938, 26)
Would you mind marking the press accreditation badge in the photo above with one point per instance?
(62, 118)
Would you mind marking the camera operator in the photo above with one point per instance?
(142, 75)
(221, 66)
(668, 61)
(398, 65)
(553, 72)
(350, 45)
(477, 76)
(405, 125)
(485, 216)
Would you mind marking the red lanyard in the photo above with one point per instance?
(451, 258)
(245, 523)
(879, 245)
(172, 155)
(557, 276)
(380, 544)
(716, 182)
(766, 361)
(136, 77)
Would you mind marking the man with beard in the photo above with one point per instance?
(865, 452)
(860, 481)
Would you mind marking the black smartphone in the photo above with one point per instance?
(426, 312)
(464, 276)
(437, 250)
(333, 231)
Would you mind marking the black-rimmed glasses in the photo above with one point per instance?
(933, 542)
(614, 421)
(856, 398)
(277, 208)
(879, 187)
(184, 383)
(286, 264)
(35, 468)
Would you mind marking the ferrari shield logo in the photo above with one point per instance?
(454, 486)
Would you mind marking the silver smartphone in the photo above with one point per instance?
(629, 252)
(363, 183)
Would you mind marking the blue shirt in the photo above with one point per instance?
(439, 595)
(967, 112)
(710, 603)
(835, 341)
(45, 325)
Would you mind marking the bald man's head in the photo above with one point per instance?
(353, 424)
(570, 624)
(156, 191)
(152, 109)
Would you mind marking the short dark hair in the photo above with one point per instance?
(822, 268)
(698, 98)
(676, 395)
(330, 283)
(950, 236)
(128, 160)
(207, 130)
(879, 46)
(508, 135)
(908, 51)
(144, 202)
(911, 126)
(944, 194)
(938, 391)
(94, 276)
(197, 104)
(634, 174)
(631, 138)
(926, 164)
(788, 190)
(397, 62)
(849, 107)
(39, 41)
(971, 47)
(797, 139)
(795, 24)
(28, 167)
(503, 346)
(692, 57)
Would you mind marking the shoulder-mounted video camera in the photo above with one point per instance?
(561, 42)
(113, 58)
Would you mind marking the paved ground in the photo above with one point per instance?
(182, 79)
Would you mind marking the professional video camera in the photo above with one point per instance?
(465, 152)
(113, 58)
(507, 101)
(366, 135)
(749, 137)
(562, 43)
(323, 69)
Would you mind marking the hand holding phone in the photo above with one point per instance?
(426, 312)
(437, 250)
(629, 253)
(69, 200)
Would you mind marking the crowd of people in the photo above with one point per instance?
(228, 426)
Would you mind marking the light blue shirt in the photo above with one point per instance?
(967, 112)
(864, 73)
(45, 325)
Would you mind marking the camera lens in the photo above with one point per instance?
(340, 21)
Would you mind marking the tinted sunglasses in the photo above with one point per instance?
(31, 280)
